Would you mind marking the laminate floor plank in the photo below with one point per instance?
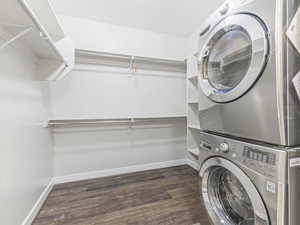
(167, 196)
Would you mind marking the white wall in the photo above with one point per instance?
(84, 149)
(26, 156)
(103, 92)
(96, 36)
(97, 92)
(92, 94)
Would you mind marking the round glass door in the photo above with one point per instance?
(234, 57)
(229, 58)
(229, 195)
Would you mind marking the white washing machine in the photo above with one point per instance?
(247, 65)
(247, 184)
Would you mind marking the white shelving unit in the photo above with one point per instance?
(193, 124)
(34, 24)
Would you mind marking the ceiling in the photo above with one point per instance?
(176, 17)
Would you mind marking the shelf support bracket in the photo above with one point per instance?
(131, 66)
(131, 123)
(16, 37)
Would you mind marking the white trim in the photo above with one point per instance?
(38, 205)
(117, 171)
(193, 164)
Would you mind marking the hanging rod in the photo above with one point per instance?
(16, 37)
(113, 121)
(130, 58)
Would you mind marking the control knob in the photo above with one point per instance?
(224, 147)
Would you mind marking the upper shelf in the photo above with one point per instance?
(37, 13)
(129, 61)
(35, 24)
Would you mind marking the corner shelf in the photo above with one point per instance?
(35, 25)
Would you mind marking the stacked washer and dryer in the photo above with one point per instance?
(250, 131)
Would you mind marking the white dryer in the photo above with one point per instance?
(246, 67)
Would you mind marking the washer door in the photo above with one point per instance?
(234, 57)
(229, 195)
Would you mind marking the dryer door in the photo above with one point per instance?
(229, 195)
(234, 57)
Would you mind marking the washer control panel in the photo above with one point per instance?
(259, 156)
(244, 153)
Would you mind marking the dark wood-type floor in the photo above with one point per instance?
(159, 197)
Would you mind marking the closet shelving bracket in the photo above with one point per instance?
(131, 123)
(131, 66)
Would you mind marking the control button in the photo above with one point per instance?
(265, 159)
(224, 147)
(234, 155)
(255, 156)
(260, 157)
(251, 155)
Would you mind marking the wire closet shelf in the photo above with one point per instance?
(134, 63)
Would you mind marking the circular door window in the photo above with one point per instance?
(229, 195)
(234, 57)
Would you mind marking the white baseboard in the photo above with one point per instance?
(38, 205)
(117, 171)
(193, 164)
